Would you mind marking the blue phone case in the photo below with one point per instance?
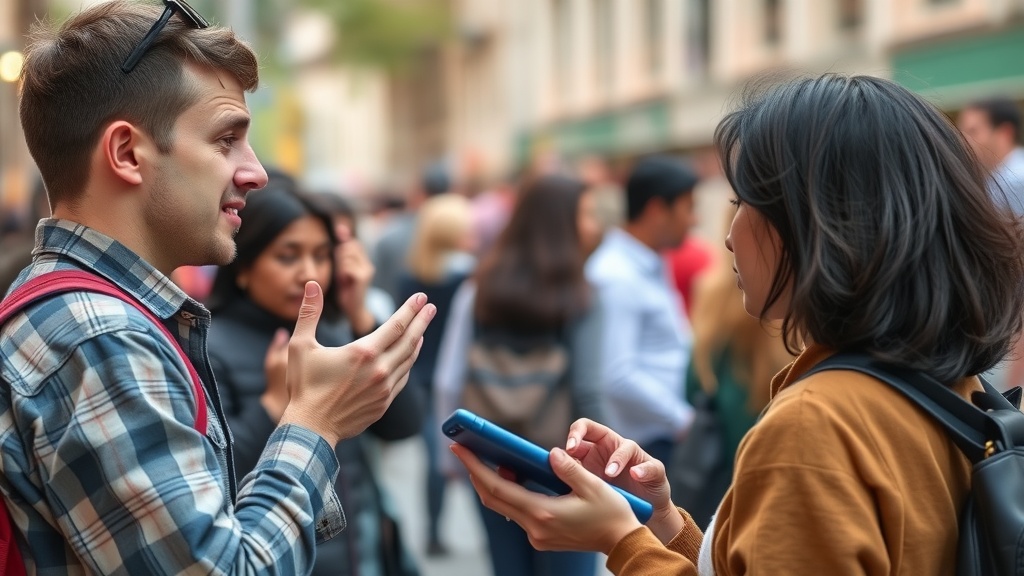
(499, 447)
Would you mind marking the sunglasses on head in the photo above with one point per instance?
(187, 13)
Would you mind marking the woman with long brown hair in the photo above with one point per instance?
(522, 345)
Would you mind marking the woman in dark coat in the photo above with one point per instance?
(285, 241)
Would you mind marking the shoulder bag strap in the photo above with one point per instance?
(968, 426)
(63, 281)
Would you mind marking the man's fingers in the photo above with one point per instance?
(402, 373)
(403, 369)
(407, 345)
(384, 337)
(309, 314)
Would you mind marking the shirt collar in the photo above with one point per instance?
(110, 259)
(645, 258)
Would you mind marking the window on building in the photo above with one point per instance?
(562, 20)
(851, 14)
(697, 32)
(654, 17)
(604, 46)
(772, 21)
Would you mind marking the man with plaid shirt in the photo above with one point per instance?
(137, 120)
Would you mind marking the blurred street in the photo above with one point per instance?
(402, 467)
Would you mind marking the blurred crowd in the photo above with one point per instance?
(561, 293)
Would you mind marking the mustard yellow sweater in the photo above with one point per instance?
(843, 475)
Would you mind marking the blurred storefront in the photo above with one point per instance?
(17, 173)
(627, 77)
(576, 79)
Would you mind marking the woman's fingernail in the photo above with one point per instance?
(312, 289)
(612, 469)
(421, 298)
(571, 443)
(639, 472)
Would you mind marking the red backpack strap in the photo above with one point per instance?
(11, 563)
(52, 284)
(63, 281)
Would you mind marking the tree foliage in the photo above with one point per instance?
(384, 33)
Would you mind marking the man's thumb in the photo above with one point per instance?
(309, 313)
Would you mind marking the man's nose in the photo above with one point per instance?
(250, 175)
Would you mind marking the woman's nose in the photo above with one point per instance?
(308, 269)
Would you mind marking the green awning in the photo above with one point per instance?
(635, 129)
(955, 70)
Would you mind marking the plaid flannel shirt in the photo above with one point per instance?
(101, 468)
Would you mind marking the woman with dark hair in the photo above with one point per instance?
(345, 218)
(285, 241)
(527, 322)
(864, 225)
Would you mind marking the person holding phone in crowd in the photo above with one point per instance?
(521, 346)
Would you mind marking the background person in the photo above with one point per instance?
(529, 310)
(284, 242)
(646, 343)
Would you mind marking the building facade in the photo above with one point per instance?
(626, 77)
(573, 79)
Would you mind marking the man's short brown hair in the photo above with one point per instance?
(73, 85)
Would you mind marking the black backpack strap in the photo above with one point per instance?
(969, 426)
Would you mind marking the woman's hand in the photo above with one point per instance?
(593, 517)
(354, 273)
(275, 365)
(606, 454)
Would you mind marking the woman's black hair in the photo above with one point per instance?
(532, 279)
(335, 204)
(890, 242)
(267, 213)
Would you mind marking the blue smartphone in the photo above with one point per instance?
(499, 447)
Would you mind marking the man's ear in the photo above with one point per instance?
(123, 147)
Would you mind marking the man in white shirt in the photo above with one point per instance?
(992, 127)
(647, 337)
